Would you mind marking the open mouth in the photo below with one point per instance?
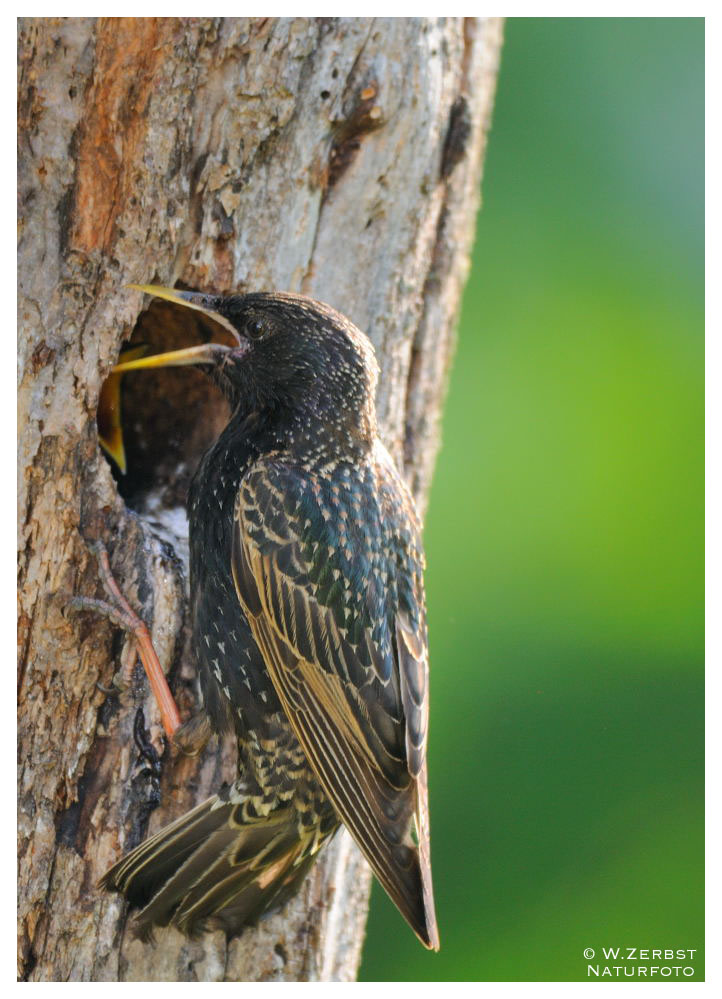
(156, 419)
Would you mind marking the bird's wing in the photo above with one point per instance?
(329, 572)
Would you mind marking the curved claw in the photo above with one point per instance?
(122, 614)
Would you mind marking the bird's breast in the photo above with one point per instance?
(237, 690)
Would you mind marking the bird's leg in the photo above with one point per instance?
(119, 611)
(193, 735)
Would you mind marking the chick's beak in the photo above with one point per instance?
(110, 423)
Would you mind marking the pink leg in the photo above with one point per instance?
(121, 613)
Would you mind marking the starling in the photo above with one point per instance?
(309, 628)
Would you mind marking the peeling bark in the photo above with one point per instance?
(337, 157)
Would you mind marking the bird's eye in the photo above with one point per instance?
(255, 329)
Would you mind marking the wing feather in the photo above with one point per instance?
(340, 622)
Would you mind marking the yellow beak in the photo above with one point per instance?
(205, 353)
(207, 304)
(110, 423)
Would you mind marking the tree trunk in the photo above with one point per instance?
(336, 157)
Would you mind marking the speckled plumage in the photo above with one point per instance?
(309, 630)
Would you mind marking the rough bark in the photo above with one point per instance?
(338, 157)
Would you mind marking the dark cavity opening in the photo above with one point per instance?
(169, 416)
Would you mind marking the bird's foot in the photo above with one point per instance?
(123, 678)
(119, 611)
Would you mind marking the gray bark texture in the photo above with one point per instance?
(336, 157)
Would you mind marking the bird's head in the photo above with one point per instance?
(293, 358)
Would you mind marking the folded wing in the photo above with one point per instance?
(329, 572)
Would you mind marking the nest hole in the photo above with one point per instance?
(169, 417)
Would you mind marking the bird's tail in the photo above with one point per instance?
(213, 868)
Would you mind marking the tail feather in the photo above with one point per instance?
(140, 874)
(237, 869)
(209, 868)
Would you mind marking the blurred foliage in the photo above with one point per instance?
(565, 530)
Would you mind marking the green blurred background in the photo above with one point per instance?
(565, 530)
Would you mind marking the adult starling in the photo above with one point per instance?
(309, 628)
